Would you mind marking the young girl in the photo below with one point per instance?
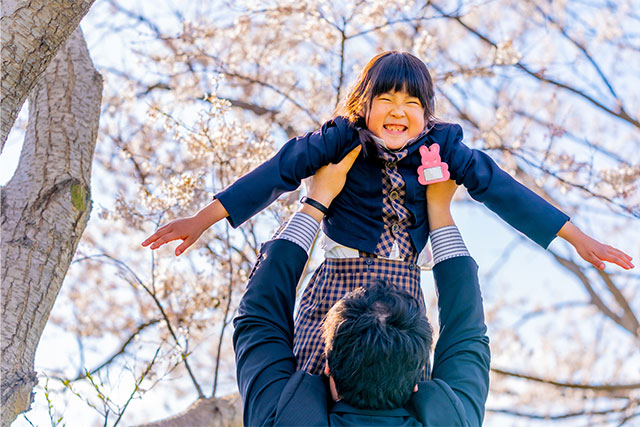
(378, 224)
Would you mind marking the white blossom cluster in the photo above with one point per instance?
(505, 53)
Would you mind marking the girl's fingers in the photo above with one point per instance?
(596, 262)
(159, 233)
(621, 259)
(165, 239)
(183, 246)
(615, 256)
(149, 240)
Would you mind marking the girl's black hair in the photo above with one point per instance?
(385, 72)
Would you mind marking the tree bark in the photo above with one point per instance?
(45, 208)
(32, 31)
(213, 412)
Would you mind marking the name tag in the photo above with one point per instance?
(430, 174)
(432, 169)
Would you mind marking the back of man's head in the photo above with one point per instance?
(377, 342)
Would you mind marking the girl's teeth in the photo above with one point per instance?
(395, 128)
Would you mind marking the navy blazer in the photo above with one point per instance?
(274, 393)
(355, 216)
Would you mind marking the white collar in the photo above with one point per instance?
(383, 144)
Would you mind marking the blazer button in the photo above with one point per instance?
(368, 261)
(412, 267)
(391, 165)
(395, 228)
(393, 195)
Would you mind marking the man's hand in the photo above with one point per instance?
(328, 182)
(439, 196)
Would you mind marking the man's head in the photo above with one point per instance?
(377, 342)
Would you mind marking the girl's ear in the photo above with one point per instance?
(432, 104)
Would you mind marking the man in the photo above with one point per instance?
(360, 389)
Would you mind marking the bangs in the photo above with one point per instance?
(389, 72)
(400, 73)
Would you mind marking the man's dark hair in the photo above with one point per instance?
(377, 342)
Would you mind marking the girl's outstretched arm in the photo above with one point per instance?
(187, 229)
(592, 250)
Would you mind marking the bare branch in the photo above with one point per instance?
(580, 47)
(120, 351)
(628, 317)
(136, 387)
(546, 310)
(122, 265)
(628, 322)
(226, 312)
(554, 417)
(594, 387)
(621, 113)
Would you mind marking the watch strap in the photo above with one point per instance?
(316, 204)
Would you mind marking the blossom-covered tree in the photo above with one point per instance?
(200, 94)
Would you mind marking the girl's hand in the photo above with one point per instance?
(593, 251)
(186, 229)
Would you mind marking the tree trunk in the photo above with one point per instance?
(32, 31)
(213, 412)
(45, 208)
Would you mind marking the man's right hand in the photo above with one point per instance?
(439, 196)
(328, 181)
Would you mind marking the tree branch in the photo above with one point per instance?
(621, 114)
(226, 312)
(580, 47)
(120, 351)
(553, 417)
(122, 265)
(627, 322)
(594, 387)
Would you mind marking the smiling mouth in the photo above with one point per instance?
(395, 128)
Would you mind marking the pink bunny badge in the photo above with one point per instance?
(433, 169)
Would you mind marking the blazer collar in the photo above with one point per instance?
(344, 408)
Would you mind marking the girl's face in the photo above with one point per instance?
(396, 117)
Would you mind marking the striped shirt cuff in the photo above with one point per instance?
(301, 229)
(446, 242)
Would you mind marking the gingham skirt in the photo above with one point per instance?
(334, 278)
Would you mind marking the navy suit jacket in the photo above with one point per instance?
(274, 393)
(355, 215)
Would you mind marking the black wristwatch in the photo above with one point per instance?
(316, 204)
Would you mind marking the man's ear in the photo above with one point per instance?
(332, 383)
